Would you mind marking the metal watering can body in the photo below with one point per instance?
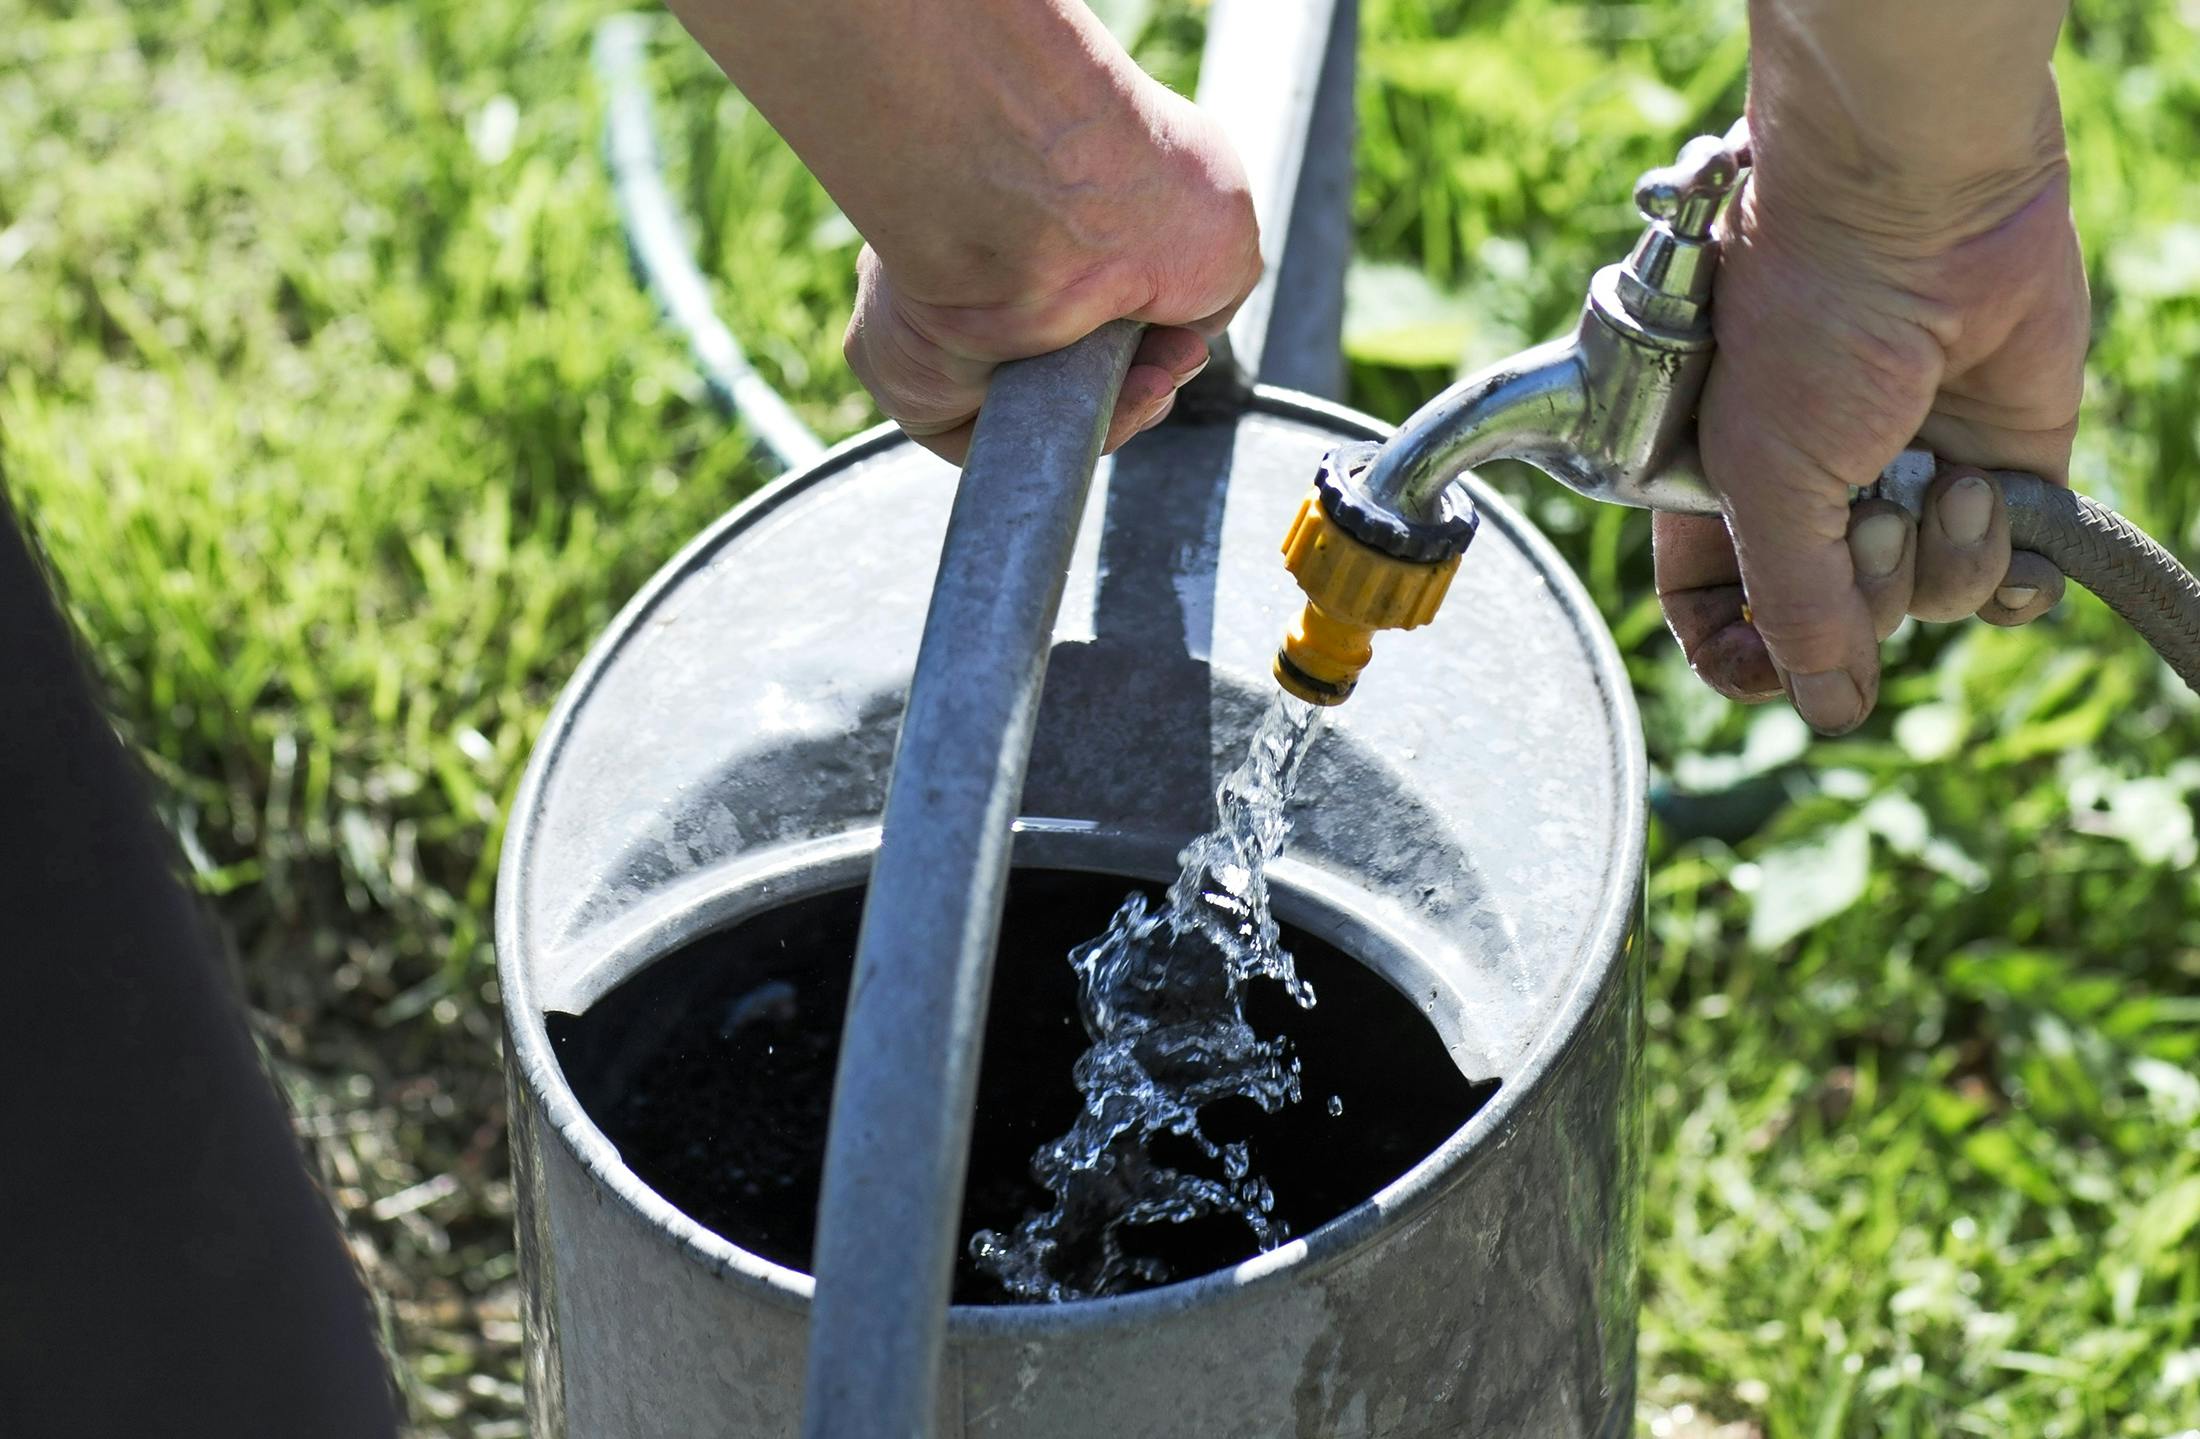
(1472, 830)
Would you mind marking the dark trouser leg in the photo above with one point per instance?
(166, 1267)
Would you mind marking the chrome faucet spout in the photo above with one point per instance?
(1529, 407)
(1609, 411)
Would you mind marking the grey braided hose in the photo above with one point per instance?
(2124, 566)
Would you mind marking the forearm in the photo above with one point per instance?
(1903, 117)
(911, 110)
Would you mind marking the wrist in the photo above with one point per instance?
(955, 137)
(1896, 200)
(1094, 213)
(1046, 132)
(1913, 131)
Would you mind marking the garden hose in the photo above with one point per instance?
(2122, 564)
(662, 258)
(2126, 568)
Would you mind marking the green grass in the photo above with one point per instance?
(325, 385)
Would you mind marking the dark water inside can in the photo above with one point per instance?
(711, 1072)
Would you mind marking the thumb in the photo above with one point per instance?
(1788, 510)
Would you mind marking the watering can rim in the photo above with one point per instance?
(528, 1042)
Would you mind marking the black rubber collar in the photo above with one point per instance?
(1424, 542)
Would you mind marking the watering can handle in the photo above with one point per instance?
(907, 1082)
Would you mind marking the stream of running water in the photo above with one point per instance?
(1161, 995)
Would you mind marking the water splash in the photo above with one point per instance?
(1161, 998)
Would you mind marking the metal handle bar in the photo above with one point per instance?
(908, 1072)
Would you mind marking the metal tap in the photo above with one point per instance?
(1609, 411)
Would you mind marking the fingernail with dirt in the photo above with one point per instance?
(2015, 597)
(1828, 701)
(1877, 543)
(1966, 510)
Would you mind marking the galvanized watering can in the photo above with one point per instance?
(1471, 829)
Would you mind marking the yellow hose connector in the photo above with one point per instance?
(1352, 590)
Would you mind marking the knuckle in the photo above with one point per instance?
(1800, 624)
(1801, 401)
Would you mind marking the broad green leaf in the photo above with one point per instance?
(1777, 736)
(2087, 995)
(1661, 107)
(1801, 886)
(2163, 1221)
(1930, 732)
(1904, 825)
(1997, 1154)
(2157, 264)
(2173, 1089)
(2154, 816)
(1395, 315)
(1900, 821)
(2021, 974)
(1950, 1112)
